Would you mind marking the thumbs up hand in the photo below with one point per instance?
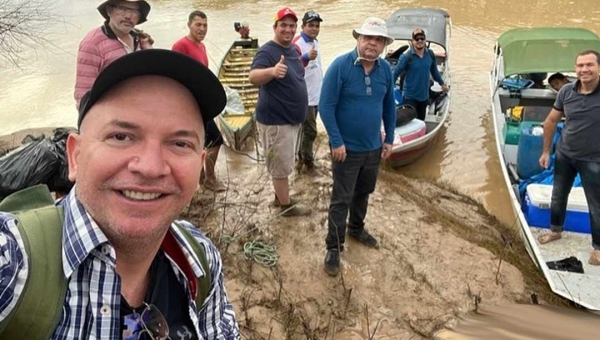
(312, 54)
(280, 69)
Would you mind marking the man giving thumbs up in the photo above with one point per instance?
(309, 47)
(282, 106)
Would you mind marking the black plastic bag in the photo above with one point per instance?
(404, 114)
(40, 161)
(31, 164)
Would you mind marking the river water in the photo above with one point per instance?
(39, 92)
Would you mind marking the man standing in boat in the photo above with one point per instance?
(115, 38)
(309, 47)
(418, 64)
(578, 150)
(193, 46)
(357, 95)
(282, 105)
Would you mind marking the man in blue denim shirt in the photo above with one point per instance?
(136, 160)
(578, 150)
(357, 95)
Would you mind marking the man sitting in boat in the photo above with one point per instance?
(419, 64)
(193, 46)
(282, 105)
(557, 81)
(115, 38)
(578, 150)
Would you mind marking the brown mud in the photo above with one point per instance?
(441, 256)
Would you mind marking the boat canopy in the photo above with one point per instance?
(433, 21)
(545, 49)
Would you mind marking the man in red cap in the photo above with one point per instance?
(282, 105)
(115, 38)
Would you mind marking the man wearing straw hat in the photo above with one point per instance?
(357, 95)
(115, 38)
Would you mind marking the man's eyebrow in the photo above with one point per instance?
(187, 133)
(124, 124)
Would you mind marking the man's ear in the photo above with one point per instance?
(73, 149)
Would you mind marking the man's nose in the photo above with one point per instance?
(150, 161)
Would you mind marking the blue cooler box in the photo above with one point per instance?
(536, 207)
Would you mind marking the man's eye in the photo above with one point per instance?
(120, 136)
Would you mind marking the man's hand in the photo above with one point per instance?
(545, 160)
(280, 69)
(339, 154)
(146, 40)
(312, 54)
(386, 151)
(445, 88)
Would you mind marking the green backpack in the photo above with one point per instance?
(39, 308)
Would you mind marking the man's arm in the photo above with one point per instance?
(389, 113)
(550, 123)
(400, 67)
(89, 63)
(435, 73)
(260, 77)
(13, 265)
(330, 94)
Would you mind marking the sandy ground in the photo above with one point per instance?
(441, 256)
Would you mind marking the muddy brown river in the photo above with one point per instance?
(39, 92)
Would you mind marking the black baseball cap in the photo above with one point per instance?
(311, 16)
(197, 78)
(418, 32)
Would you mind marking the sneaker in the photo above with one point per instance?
(365, 238)
(291, 210)
(332, 262)
(276, 202)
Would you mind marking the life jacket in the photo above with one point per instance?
(39, 308)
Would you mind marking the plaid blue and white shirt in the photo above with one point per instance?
(92, 304)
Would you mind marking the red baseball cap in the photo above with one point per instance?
(284, 12)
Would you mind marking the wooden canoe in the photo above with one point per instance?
(234, 70)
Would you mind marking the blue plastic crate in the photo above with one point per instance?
(537, 211)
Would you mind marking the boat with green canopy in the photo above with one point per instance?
(521, 99)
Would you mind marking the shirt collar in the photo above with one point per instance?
(577, 85)
(306, 37)
(81, 235)
(111, 34)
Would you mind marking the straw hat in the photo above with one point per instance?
(374, 27)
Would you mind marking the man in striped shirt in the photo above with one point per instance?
(123, 256)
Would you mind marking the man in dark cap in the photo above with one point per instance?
(131, 270)
(420, 65)
(115, 38)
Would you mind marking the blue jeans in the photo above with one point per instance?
(353, 181)
(565, 170)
